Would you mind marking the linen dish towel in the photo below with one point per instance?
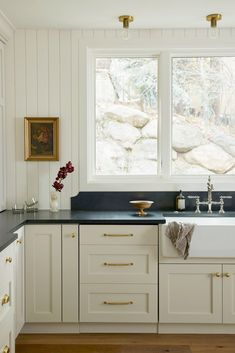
(180, 235)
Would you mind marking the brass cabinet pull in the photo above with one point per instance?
(118, 235)
(118, 303)
(6, 349)
(119, 264)
(18, 241)
(227, 274)
(217, 274)
(9, 260)
(5, 299)
(73, 235)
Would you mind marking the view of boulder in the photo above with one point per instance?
(211, 156)
(127, 122)
(128, 144)
(185, 138)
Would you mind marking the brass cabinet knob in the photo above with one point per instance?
(18, 241)
(73, 235)
(8, 259)
(5, 299)
(217, 274)
(6, 349)
(227, 274)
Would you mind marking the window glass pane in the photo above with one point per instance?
(126, 116)
(203, 127)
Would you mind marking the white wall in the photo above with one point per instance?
(42, 80)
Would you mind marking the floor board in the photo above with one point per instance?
(87, 348)
(125, 343)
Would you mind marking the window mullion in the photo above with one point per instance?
(165, 114)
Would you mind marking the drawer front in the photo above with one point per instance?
(6, 334)
(119, 264)
(6, 282)
(6, 264)
(118, 303)
(119, 234)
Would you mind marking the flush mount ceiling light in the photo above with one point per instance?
(213, 19)
(125, 19)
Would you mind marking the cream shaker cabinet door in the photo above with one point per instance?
(19, 283)
(118, 234)
(7, 300)
(118, 303)
(70, 272)
(190, 293)
(229, 294)
(43, 273)
(119, 264)
(7, 341)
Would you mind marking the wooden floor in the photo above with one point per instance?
(125, 343)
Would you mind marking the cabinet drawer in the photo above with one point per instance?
(119, 264)
(6, 282)
(6, 265)
(118, 303)
(6, 334)
(119, 234)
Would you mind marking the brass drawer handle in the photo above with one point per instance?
(118, 303)
(5, 299)
(9, 260)
(18, 241)
(119, 264)
(217, 274)
(6, 349)
(227, 274)
(118, 235)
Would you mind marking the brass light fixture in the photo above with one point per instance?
(126, 19)
(213, 19)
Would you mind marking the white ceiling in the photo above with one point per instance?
(104, 13)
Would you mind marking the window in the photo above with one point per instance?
(203, 109)
(126, 115)
(155, 120)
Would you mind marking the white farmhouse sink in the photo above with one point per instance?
(212, 237)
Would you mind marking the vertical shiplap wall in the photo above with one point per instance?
(42, 80)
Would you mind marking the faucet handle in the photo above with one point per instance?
(197, 202)
(222, 202)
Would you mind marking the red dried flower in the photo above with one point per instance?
(62, 173)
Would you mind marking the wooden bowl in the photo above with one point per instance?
(141, 205)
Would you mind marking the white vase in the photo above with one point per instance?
(54, 203)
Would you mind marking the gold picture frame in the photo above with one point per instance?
(41, 139)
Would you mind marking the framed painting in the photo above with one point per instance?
(41, 139)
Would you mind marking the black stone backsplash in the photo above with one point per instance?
(163, 200)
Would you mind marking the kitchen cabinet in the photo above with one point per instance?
(119, 266)
(190, 293)
(7, 259)
(51, 253)
(229, 293)
(193, 293)
(70, 283)
(19, 282)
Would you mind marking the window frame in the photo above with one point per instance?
(164, 180)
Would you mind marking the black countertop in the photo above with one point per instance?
(10, 222)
